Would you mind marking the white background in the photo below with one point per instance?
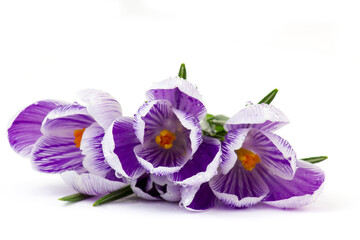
(234, 51)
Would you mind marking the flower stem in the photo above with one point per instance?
(121, 193)
(75, 197)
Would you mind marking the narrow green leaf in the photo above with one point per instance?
(315, 159)
(182, 71)
(75, 197)
(121, 193)
(270, 97)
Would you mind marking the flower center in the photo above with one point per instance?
(78, 136)
(165, 139)
(247, 158)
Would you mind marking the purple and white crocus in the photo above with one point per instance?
(164, 139)
(257, 166)
(65, 138)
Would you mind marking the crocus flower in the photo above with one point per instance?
(60, 137)
(164, 138)
(257, 166)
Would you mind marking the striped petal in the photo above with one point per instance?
(182, 94)
(239, 187)
(53, 154)
(64, 120)
(24, 130)
(94, 160)
(101, 106)
(160, 161)
(90, 184)
(276, 154)
(261, 116)
(302, 190)
(118, 146)
(202, 166)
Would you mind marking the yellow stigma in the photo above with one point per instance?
(247, 158)
(78, 136)
(165, 139)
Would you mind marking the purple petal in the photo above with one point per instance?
(101, 106)
(25, 129)
(118, 146)
(64, 120)
(52, 154)
(303, 189)
(90, 184)
(203, 165)
(276, 154)
(182, 95)
(197, 198)
(239, 187)
(261, 116)
(94, 160)
(233, 141)
(160, 161)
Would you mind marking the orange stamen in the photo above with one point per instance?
(165, 139)
(247, 158)
(78, 136)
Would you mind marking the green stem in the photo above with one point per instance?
(75, 197)
(121, 193)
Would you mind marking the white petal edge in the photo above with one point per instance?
(257, 114)
(66, 110)
(184, 86)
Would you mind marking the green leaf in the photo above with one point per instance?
(121, 193)
(270, 97)
(75, 197)
(209, 116)
(315, 159)
(218, 119)
(214, 126)
(182, 71)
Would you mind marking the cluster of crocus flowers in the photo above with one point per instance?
(171, 149)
